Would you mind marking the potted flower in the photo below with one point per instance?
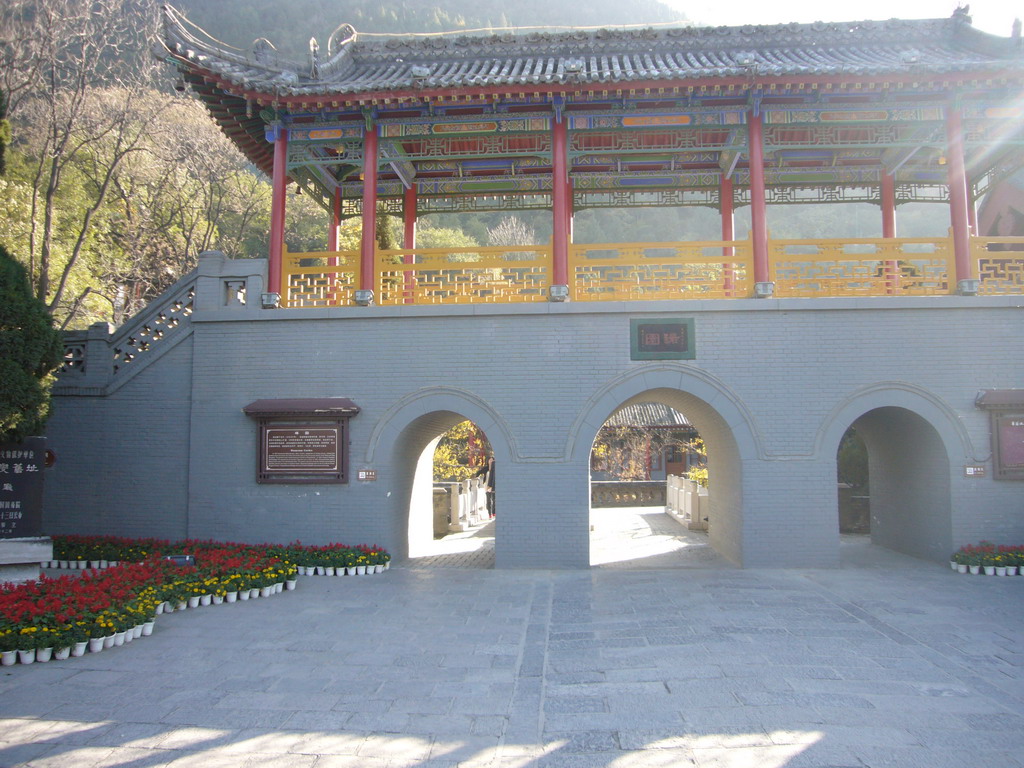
(8, 646)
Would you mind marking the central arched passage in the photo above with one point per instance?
(721, 422)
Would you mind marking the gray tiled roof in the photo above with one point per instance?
(647, 415)
(362, 64)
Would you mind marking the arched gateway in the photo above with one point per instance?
(297, 394)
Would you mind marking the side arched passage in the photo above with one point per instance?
(404, 440)
(915, 444)
(909, 467)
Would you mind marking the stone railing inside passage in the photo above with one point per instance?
(646, 271)
(631, 493)
(687, 502)
(462, 506)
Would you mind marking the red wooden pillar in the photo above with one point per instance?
(956, 175)
(888, 195)
(888, 202)
(368, 244)
(570, 213)
(277, 208)
(758, 203)
(725, 206)
(332, 233)
(560, 202)
(409, 216)
(332, 245)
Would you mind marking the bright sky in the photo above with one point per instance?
(993, 16)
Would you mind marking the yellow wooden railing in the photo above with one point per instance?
(637, 271)
(319, 279)
(478, 275)
(862, 267)
(998, 264)
(695, 270)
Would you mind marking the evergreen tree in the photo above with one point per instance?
(30, 351)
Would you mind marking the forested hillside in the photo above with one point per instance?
(289, 25)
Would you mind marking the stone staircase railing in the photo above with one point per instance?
(100, 359)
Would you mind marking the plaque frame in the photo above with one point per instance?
(302, 440)
(1006, 413)
(336, 473)
(1002, 420)
(685, 326)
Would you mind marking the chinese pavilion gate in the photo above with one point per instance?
(881, 112)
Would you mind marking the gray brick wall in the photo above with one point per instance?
(774, 386)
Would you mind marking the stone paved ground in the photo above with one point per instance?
(888, 661)
(640, 537)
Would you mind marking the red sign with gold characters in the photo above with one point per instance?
(662, 339)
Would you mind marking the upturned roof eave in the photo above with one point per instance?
(602, 60)
(744, 83)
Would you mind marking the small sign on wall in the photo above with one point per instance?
(663, 338)
(367, 475)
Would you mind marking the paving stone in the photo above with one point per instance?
(892, 663)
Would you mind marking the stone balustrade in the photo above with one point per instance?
(687, 502)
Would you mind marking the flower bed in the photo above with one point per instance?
(92, 552)
(124, 584)
(988, 558)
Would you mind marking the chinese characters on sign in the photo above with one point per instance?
(21, 488)
(662, 339)
(302, 452)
